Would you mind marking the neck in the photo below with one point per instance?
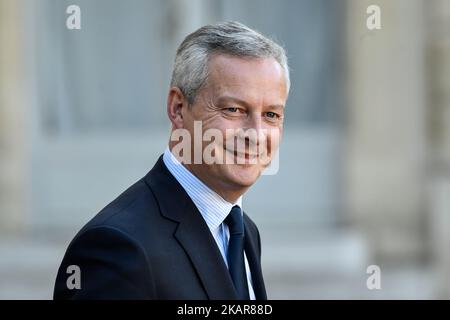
(228, 192)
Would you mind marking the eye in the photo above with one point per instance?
(234, 111)
(272, 115)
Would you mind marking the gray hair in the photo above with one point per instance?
(190, 69)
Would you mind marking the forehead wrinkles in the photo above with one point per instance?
(227, 71)
(241, 83)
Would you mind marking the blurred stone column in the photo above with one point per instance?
(384, 179)
(182, 18)
(12, 125)
(438, 115)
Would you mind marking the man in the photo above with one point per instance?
(180, 232)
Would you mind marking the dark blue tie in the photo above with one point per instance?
(235, 256)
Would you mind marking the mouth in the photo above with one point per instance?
(243, 155)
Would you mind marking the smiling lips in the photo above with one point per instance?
(244, 155)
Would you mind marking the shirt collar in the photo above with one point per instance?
(211, 205)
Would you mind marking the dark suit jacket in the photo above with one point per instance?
(152, 243)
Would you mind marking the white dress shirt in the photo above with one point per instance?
(213, 208)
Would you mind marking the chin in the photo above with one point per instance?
(243, 175)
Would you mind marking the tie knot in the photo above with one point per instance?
(234, 221)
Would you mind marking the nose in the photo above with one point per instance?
(253, 131)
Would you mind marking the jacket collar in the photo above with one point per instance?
(192, 233)
(195, 237)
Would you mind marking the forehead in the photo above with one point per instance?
(247, 77)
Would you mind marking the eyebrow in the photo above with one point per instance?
(244, 103)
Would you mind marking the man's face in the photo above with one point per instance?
(240, 93)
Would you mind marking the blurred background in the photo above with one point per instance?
(364, 174)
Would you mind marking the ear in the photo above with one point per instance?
(175, 103)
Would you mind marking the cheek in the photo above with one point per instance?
(225, 126)
(273, 136)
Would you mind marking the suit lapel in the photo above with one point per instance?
(252, 253)
(198, 242)
(192, 233)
